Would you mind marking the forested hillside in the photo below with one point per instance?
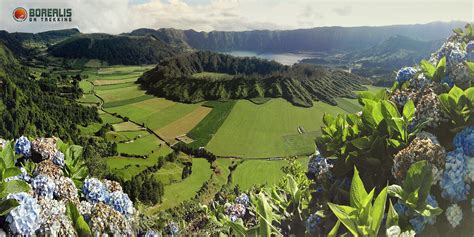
(36, 107)
(114, 49)
(184, 79)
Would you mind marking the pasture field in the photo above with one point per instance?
(108, 118)
(258, 131)
(89, 98)
(186, 189)
(170, 173)
(114, 86)
(142, 146)
(129, 167)
(203, 132)
(126, 126)
(124, 136)
(120, 94)
(184, 124)
(261, 172)
(86, 86)
(116, 81)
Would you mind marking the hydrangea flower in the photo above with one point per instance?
(312, 223)
(465, 141)
(58, 159)
(3, 142)
(44, 186)
(121, 203)
(448, 81)
(23, 176)
(469, 50)
(405, 74)
(55, 221)
(66, 190)
(104, 219)
(454, 215)
(470, 169)
(432, 202)
(408, 233)
(46, 147)
(171, 229)
(112, 186)
(455, 57)
(23, 146)
(394, 231)
(318, 166)
(95, 191)
(401, 209)
(452, 183)
(418, 223)
(24, 219)
(236, 211)
(152, 234)
(85, 208)
(243, 199)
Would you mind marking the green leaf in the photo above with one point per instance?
(396, 191)
(13, 186)
(6, 205)
(409, 110)
(80, 225)
(458, 31)
(378, 210)
(361, 143)
(440, 70)
(358, 193)
(8, 154)
(428, 69)
(456, 93)
(10, 172)
(419, 178)
(346, 215)
(335, 229)
(328, 119)
(392, 216)
(265, 214)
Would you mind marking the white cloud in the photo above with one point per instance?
(117, 16)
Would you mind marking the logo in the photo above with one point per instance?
(20, 14)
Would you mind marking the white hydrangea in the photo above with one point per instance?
(454, 215)
(470, 169)
(394, 231)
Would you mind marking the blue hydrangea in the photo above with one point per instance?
(452, 183)
(312, 223)
(23, 146)
(43, 186)
(418, 223)
(318, 166)
(243, 199)
(469, 50)
(401, 209)
(24, 219)
(95, 191)
(455, 57)
(405, 74)
(121, 203)
(448, 81)
(465, 141)
(432, 202)
(58, 159)
(171, 229)
(152, 234)
(236, 211)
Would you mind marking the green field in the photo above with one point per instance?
(259, 130)
(260, 172)
(186, 189)
(203, 132)
(129, 167)
(86, 86)
(141, 146)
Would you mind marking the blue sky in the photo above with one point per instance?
(118, 16)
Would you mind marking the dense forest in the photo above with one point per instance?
(124, 50)
(37, 107)
(246, 78)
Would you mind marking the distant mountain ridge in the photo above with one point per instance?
(315, 39)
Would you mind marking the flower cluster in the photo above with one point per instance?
(55, 221)
(23, 146)
(405, 74)
(46, 147)
(23, 176)
(67, 191)
(26, 218)
(312, 223)
(48, 168)
(243, 199)
(454, 215)
(104, 219)
(470, 50)
(419, 149)
(236, 211)
(417, 221)
(171, 229)
(452, 183)
(58, 159)
(121, 203)
(95, 191)
(464, 140)
(112, 186)
(318, 166)
(43, 186)
(393, 231)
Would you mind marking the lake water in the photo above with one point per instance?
(283, 58)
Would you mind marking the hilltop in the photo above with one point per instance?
(203, 76)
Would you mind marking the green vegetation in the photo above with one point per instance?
(142, 146)
(115, 50)
(175, 79)
(253, 130)
(203, 132)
